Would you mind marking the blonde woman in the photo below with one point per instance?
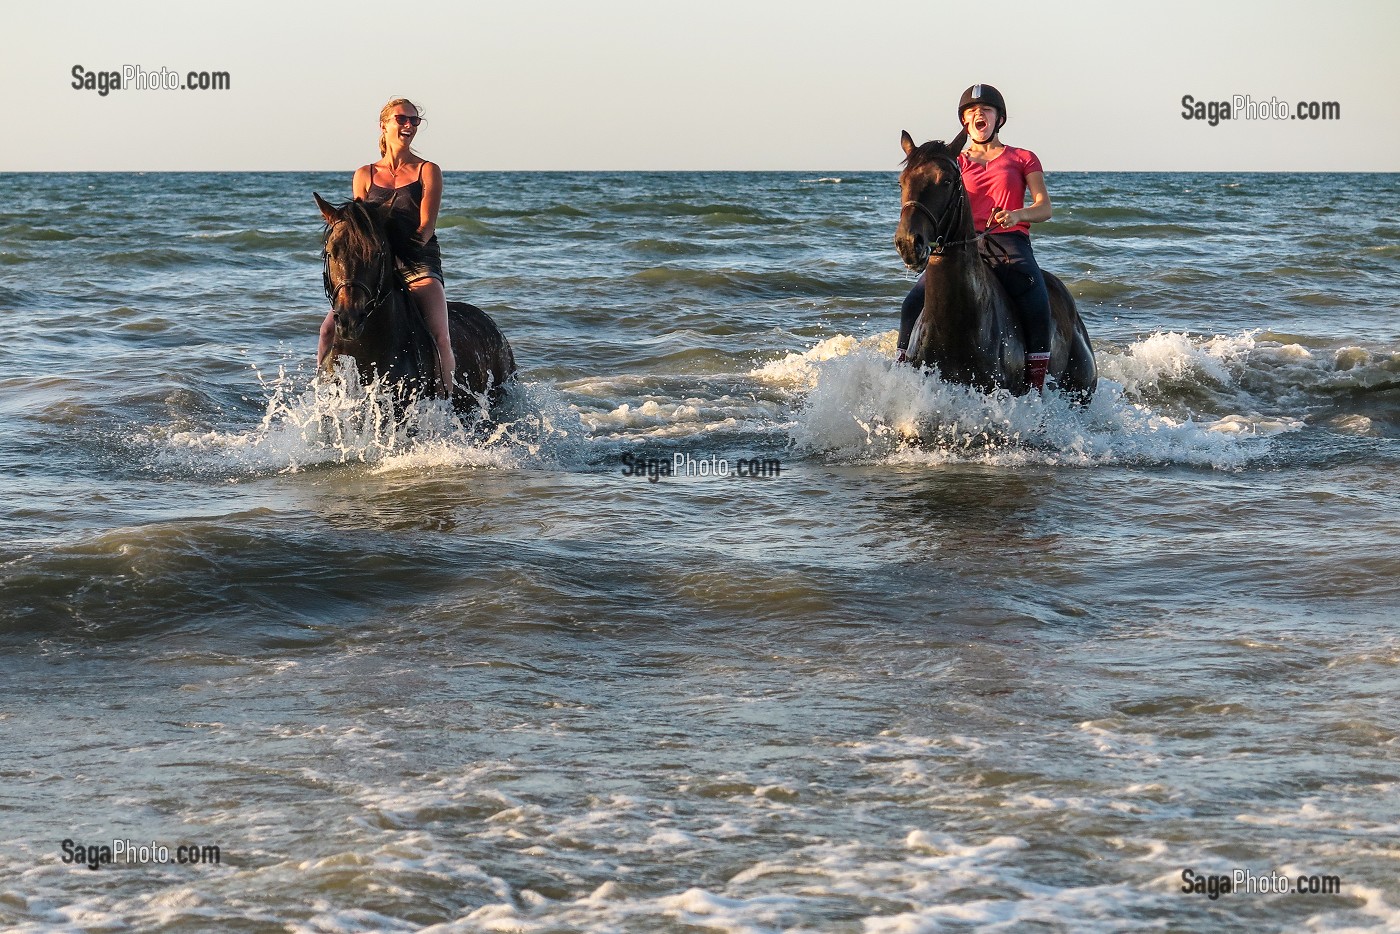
(412, 188)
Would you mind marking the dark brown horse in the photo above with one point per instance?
(378, 324)
(969, 329)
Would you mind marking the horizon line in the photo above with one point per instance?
(828, 172)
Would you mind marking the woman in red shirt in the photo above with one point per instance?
(997, 178)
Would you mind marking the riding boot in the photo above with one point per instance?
(1037, 367)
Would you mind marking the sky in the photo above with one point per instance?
(719, 85)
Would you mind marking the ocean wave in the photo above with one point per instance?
(1165, 359)
(652, 246)
(42, 234)
(552, 210)
(714, 213)
(1075, 226)
(1346, 386)
(746, 283)
(689, 418)
(262, 239)
(472, 225)
(1099, 290)
(155, 258)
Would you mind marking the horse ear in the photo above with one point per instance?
(327, 211)
(956, 144)
(906, 141)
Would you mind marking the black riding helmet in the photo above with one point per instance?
(983, 94)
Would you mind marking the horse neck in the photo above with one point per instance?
(386, 341)
(953, 282)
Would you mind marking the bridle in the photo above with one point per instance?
(383, 289)
(943, 227)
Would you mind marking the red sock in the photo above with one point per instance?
(1037, 366)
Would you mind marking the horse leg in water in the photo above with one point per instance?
(432, 304)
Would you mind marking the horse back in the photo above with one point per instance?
(1072, 355)
(484, 356)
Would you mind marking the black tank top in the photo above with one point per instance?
(406, 201)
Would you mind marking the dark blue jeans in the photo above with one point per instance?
(1013, 263)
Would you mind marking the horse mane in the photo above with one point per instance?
(923, 155)
(369, 228)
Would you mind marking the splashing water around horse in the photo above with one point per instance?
(377, 323)
(969, 330)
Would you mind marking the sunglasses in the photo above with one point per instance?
(406, 120)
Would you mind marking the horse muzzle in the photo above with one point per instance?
(913, 249)
(349, 324)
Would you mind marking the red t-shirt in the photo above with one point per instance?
(1000, 183)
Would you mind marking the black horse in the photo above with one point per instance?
(969, 329)
(378, 324)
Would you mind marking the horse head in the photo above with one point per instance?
(934, 212)
(357, 264)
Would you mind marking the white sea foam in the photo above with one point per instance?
(1246, 368)
(921, 877)
(860, 407)
(800, 370)
(1168, 357)
(658, 418)
(340, 420)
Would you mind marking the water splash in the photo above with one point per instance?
(338, 419)
(1167, 359)
(858, 407)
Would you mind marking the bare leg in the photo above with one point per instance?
(432, 303)
(323, 347)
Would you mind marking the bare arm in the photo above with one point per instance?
(1035, 212)
(359, 185)
(432, 201)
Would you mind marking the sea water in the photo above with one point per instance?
(954, 662)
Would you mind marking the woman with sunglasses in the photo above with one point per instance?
(997, 178)
(412, 188)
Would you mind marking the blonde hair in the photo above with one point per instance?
(386, 112)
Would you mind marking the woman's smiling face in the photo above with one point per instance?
(404, 130)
